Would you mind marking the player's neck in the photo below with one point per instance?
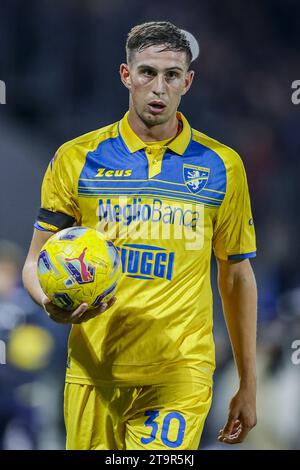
(153, 133)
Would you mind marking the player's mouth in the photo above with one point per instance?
(156, 106)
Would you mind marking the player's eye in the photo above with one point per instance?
(172, 74)
(148, 72)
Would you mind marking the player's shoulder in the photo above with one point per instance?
(88, 142)
(227, 154)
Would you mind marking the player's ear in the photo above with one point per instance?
(188, 81)
(125, 75)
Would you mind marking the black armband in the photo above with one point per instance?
(58, 219)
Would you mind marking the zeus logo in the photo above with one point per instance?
(147, 262)
(112, 173)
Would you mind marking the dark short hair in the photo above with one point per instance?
(156, 33)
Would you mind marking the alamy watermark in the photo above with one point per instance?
(296, 93)
(2, 92)
(135, 218)
(2, 352)
(295, 357)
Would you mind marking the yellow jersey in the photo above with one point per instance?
(166, 206)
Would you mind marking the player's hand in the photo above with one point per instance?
(80, 315)
(241, 417)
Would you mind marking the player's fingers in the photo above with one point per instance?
(247, 423)
(236, 427)
(228, 428)
(59, 318)
(240, 434)
(79, 312)
(97, 311)
(56, 314)
(93, 313)
(105, 306)
(101, 308)
(236, 424)
(243, 433)
(236, 438)
(80, 315)
(111, 302)
(231, 440)
(46, 305)
(46, 301)
(60, 315)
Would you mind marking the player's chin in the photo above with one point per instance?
(155, 119)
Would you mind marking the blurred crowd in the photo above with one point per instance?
(33, 364)
(60, 65)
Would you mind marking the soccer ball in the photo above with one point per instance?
(79, 265)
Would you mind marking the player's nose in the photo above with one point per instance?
(159, 85)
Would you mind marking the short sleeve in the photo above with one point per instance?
(234, 233)
(59, 208)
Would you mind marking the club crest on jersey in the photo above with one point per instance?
(195, 177)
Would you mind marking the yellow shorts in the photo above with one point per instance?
(152, 417)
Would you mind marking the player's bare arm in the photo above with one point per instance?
(31, 283)
(237, 287)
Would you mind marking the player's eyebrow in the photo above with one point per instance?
(146, 66)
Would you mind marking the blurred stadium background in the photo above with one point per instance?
(60, 62)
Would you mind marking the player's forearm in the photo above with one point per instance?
(239, 298)
(29, 274)
(31, 282)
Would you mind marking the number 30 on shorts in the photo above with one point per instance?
(169, 419)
